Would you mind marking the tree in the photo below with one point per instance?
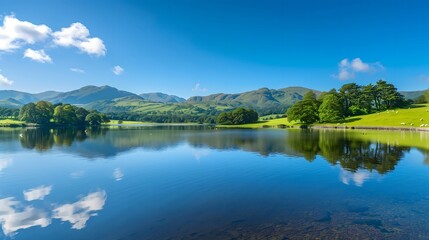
(306, 110)
(93, 119)
(27, 113)
(349, 95)
(40, 112)
(238, 116)
(65, 114)
(330, 110)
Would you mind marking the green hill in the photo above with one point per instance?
(161, 97)
(90, 94)
(265, 101)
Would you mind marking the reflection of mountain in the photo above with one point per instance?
(352, 150)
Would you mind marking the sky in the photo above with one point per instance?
(201, 47)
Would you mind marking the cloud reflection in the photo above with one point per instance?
(78, 213)
(118, 174)
(4, 163)
(38, 193)
(358, 178)
(14, 218)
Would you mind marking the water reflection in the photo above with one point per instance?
(352, 150)
(38, 193)
(4, 163)
(16, 215)
(79, 212)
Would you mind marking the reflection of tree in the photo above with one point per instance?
(40, 139)
(45, 138)
(348, 150)
(351, 150)
(304, 142)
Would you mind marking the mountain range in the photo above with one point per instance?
(110, 99)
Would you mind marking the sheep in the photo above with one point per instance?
(402, 123)
(426, 125)
(422, 125)
(411, 124)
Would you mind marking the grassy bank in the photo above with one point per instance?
(10, 123)
(417, 116)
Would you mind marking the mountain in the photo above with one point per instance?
(89, 94)
(22, 97)
(46, 95)
(264, 100)
(10, 103)
(411, 94)
(161, 97)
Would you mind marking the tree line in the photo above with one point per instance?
(350, 100)
(44, 112)
(238, 116)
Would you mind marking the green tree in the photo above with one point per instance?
(330, 110)
(93, 119)
(306, 110)
(65, 114)
(40, 112)
(27, 113)
(238, 116)
(81, 114)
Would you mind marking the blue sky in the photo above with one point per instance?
(200, 47)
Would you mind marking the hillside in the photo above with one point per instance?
(161, 97)
(90, 94)
(411, 94)
(21, 97)
(112, 100)
(265, 101)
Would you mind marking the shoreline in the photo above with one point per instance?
(383, 128)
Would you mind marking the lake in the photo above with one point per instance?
(202, 183)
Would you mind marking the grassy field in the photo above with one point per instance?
(126, 122)
(9, 122)
(262, 124)
(412, 117)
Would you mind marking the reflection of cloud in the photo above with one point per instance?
(13, 220)
(38, 193)
(4, 163)
(358, 177)
(198, 154)
(78, 213)
(118, 174)
(77, 174)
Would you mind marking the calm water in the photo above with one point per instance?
(197, 183)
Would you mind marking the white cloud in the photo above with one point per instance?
(198, 88)
(13, 219)
(37, 55)
(117, 70)
(77, 70)
(4, 163)
(5, 81)
(118, 174)
(348, 69)
(80, 212)
(38, 193)
(15, 33)
(77, 35)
